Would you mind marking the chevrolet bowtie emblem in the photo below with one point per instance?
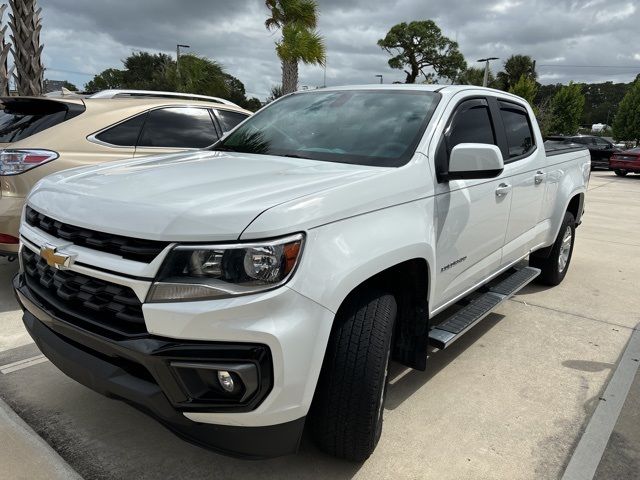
(55, 259)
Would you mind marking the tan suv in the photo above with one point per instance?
(39, 136)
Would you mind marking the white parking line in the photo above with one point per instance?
(27, 362)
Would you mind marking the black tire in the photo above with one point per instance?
(620, 173)
(552, 272)
(346, 415)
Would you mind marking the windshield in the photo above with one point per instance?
(365, 127)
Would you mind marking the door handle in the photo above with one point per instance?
(503, 189)
(538, 177)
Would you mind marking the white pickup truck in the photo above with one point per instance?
(240, 292)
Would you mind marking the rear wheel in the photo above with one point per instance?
(346, 415)
(620, 173)
(554, 267)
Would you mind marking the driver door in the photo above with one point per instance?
(471, 215)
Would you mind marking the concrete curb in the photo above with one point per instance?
(24, 455)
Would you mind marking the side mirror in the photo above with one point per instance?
(474, 160)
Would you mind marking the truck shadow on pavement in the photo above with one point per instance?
(405, 382)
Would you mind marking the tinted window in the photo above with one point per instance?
(471, 124)
(228, 120)
(180, 127)
(124, 134)
(518, 130)
(602, 143)
(366, 127)
(16, 125)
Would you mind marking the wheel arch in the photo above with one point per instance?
(408, 282)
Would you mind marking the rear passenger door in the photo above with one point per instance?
(174, 129)
(471, 215)
(524, 171)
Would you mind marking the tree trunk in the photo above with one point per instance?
(289, 76)
(4, 53)
(413, 74)
(25, 22)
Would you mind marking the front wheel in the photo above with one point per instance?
(347, 410)
(554, 267)
(620, 173)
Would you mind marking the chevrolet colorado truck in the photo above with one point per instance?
(243, 292)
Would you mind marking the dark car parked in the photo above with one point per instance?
(600, 149)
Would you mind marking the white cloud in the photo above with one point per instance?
(504, 6)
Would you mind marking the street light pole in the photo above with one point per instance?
(486, 69)
(380, 77)
(178, 47)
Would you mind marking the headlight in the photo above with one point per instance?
(205, 272)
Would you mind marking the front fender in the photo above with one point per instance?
(342, 255)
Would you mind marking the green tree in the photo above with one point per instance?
(526, 88)
(475, 76)
(69, 86)
(198, 75)
(566, 110)
(626, 125)
(149, 71)
(109, 78)
(514, 68)
(419, 45)
(253, 104)
(300, 42)
(275, 93)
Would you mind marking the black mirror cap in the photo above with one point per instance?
(468, 175)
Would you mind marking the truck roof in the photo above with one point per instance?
(444, 89)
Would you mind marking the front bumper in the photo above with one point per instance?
(138, 372)
(633, 166)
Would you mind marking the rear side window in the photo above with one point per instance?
(178, 127)
(471, 124)
(124, 134)
(228, 119)
(518, 129)
(22, 117)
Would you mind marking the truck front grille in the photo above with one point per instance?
(127, 247)
(90, 303)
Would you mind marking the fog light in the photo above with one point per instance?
(226, 380)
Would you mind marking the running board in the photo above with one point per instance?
(452, 328)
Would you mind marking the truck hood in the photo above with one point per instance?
(194, 196)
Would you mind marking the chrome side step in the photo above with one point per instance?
(452, 328)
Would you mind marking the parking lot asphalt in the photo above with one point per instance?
(510, 400)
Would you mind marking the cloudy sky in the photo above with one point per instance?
(589, 40)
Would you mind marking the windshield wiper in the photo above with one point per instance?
(293, 155)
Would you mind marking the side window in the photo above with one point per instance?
(471, 124)
(518, 129)
(602, 143)
(229, 119)
(178, 127)
(124, 134)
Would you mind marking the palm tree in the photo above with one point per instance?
(26, 23)
(514, 68)
(4, 53)
(297, 19)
